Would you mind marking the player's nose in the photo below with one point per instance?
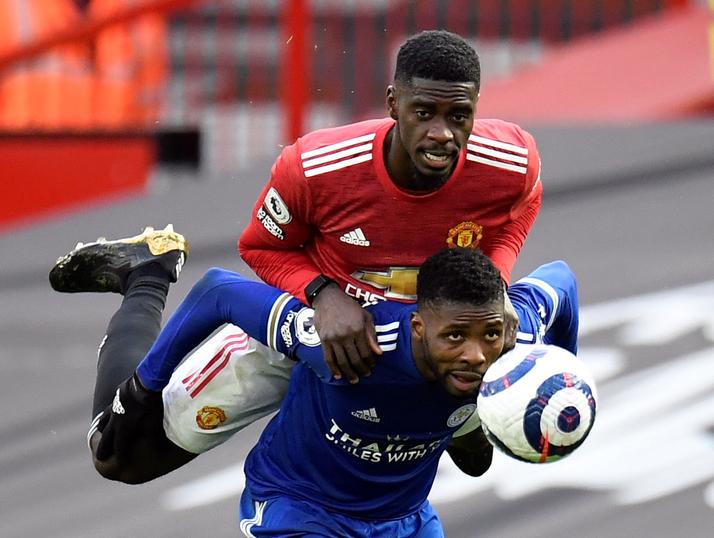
(473, 355)
(440, 132)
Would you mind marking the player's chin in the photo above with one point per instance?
(436, 174)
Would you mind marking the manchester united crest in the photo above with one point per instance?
(209, 417)
(467, 235)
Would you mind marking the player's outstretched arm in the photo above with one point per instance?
(127, 440)
(470, 450)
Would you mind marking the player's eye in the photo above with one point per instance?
(422, 114)
(492, 335)
(460, 118)
(455, 336)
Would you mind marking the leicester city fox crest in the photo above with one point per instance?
(461, 415)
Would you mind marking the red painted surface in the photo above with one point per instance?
(295, 83)
(658, 69)
(46, 175)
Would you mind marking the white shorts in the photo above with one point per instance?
(227, 383)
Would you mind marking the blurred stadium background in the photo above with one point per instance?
(119, 113)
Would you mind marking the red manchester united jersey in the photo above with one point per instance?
(331, 208)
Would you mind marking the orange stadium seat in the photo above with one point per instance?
(131, 63)
(115, 82)
(53, 91)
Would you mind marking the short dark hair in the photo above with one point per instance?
(437, 55)
(458, 275)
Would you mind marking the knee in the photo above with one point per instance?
(212, 278)
(217, 275)
(111, 468)
(214, 275)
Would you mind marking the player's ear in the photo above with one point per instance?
(392, 102)
(417, 325)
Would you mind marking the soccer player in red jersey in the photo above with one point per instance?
(351, 212)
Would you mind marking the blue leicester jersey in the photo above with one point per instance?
(368, 450)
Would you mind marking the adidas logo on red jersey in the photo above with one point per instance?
(355, 237)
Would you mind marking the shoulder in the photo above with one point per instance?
(503, 132)
(503, 145)
(392, 325)
(324, 140)
(326, 150)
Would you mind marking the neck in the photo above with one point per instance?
(401, 169)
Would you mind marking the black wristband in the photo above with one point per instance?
(315, 287)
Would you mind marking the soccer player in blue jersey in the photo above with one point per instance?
(339, 459)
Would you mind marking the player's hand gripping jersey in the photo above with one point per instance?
(331, 208)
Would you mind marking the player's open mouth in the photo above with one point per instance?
(465, 381)
(437, 160)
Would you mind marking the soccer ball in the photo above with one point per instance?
(537, 403)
